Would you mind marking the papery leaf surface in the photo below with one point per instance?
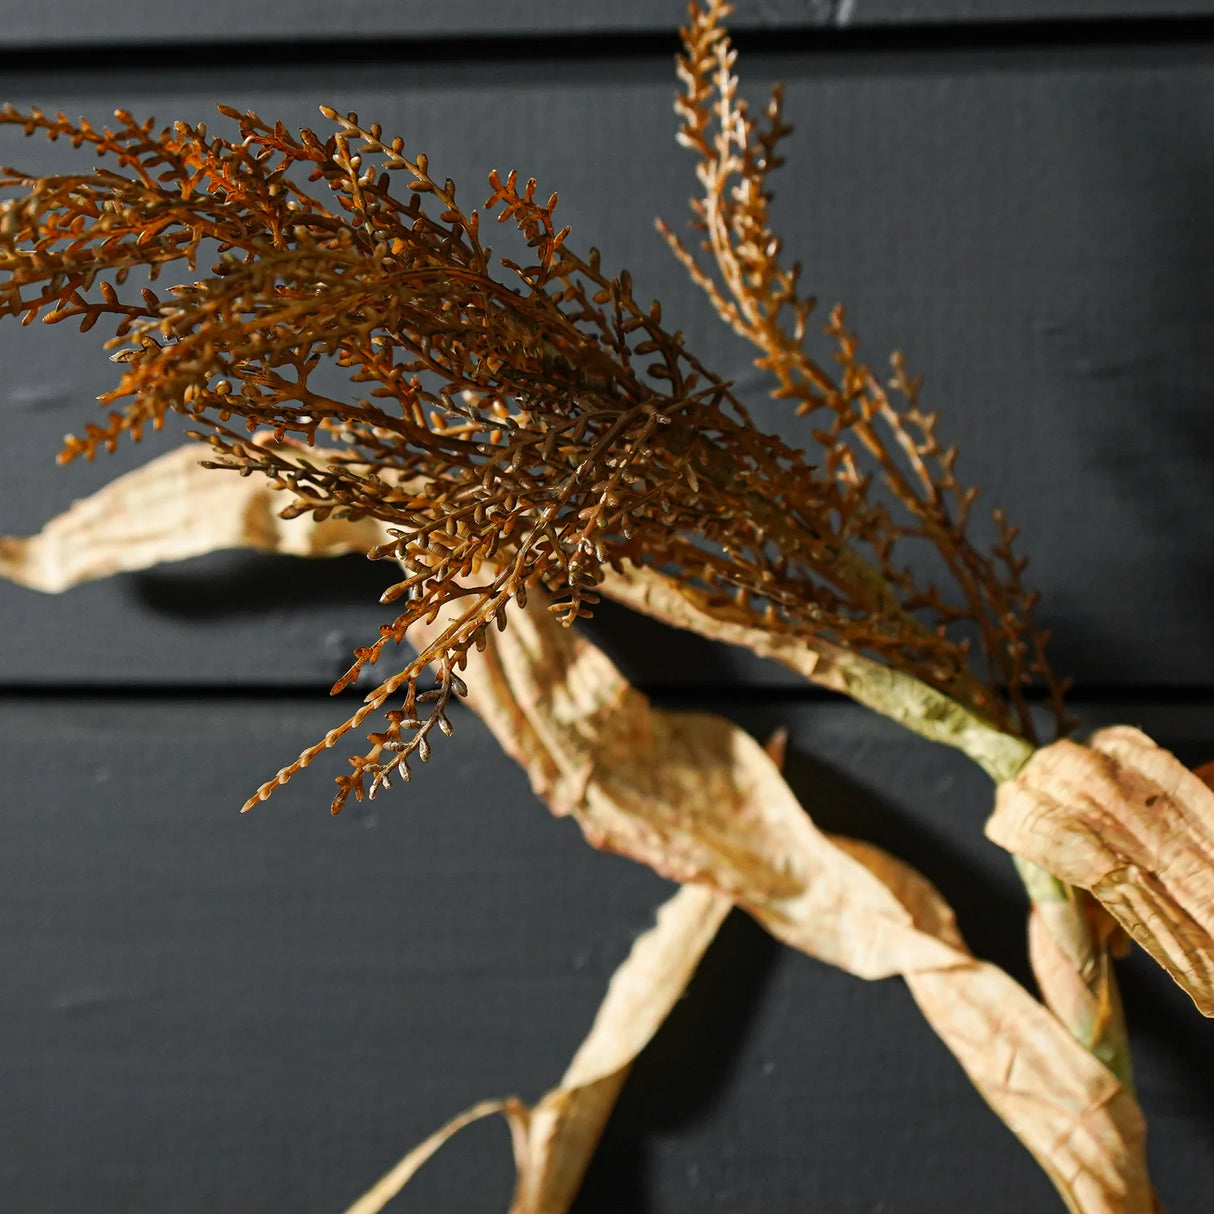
(555, 1139)
(699, 801)
(170, 509)
(1124, 818)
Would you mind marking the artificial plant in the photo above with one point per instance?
(523, 436)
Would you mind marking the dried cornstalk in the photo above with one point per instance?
(536, 420)
(698, 800)
(532, 427)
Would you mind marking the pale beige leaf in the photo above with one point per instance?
(698, 800)
(1205, 772)
(566, 1125)
(1125, 819)
(170, 509)
(391, 1183)
(1082, 1125)
(555, 1140)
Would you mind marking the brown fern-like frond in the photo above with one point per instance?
(512, 423)
(870, 431)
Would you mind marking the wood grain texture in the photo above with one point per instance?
(206, 1011)
(1028, 227)
(88, 23)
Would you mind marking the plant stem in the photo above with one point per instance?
(1074, 969)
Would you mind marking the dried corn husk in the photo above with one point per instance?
(555, 1140)
(1125, 819)
(168, 510)
(699, 801)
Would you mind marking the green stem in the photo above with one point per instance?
(1093, 1013)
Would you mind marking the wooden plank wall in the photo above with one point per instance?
(207, 1012)
(81, 24)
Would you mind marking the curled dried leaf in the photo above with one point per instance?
(1073, 941)
(1125, 819)
(555, 1140)
(699, 801)
(169, 510)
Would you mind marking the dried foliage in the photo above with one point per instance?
(696, 799)
(523, 436)
(555, 1140)
(535, 416)
(866, 429)
(1073, 943)
(1125, 819)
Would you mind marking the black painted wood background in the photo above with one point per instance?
(202, 1011)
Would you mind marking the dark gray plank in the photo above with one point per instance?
(202, 1011)
(1029, 228)
(931, 12)
(81, 23)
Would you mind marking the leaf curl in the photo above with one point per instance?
(1125, 819)
(555, 1140)
(698, 800)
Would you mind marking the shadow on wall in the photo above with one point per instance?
(232, 585)
(686, 1071)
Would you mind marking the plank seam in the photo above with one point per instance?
(748, 695)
